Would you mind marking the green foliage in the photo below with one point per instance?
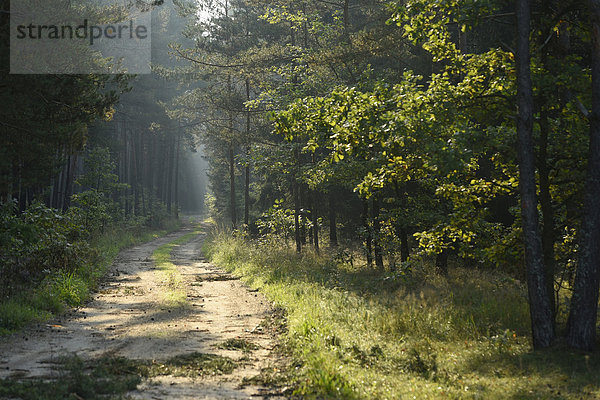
(93, 210)
(45, 120)
(65, 289)
(94, 206)
(277, 223)
(51, 260)
(412, 134)
(99, 174)
(40, 242)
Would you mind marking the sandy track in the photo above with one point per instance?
(129, 317)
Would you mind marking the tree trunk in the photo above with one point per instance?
(315, 221)
(310, 215)
(539, 305)
(130, 171)
(247, 169)
(247, 194)
(296, 194)
(149, 167)
(60, 190)
(171, 162)
(176, 191)
(136, 176)
(71, 165)
(333, 240)
(141, 174)
(581, 327)
(369, 237)
(302, 215)
(347, 20)
(377, 234)
(548, 234)
(404, 250)
(232, 206)
(125, 165)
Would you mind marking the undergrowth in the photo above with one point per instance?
(354, 332)
(70, 286)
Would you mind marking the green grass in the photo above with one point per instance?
(62, 289)
(15, 314)
(174, 294)
(354, 332)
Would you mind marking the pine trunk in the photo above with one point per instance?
(377, 234)
(584, 304)
(232, 205)
(548, 234)
(176, 191)
(247, 169)
(369, 237)
(315, 221)
(333, 240)
(539, 305)
(404, 250)
(296, 194)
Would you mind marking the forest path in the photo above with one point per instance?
(144, 313)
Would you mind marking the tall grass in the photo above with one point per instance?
(63, 289)
(358, 333)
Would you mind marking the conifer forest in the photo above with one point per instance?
(299, 199)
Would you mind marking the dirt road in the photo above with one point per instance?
(131, 317)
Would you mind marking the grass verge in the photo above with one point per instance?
(354, 332)
(174, 295)
(71, 289)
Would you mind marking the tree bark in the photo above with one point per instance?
(377, 234)
(247, 169)
(540, 311)
(548, 230)
(347, 20)
(296, 195)
(232, 206)
(404, 250)
(247, 193)
(333, 240)
(315, 221)
(369, 237)
(176, 191)
(136, 179)
(295, 190)
(70, 177)
(581, 327)
(171, 166)
(302, 200)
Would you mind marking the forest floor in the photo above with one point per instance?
(189, 331)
